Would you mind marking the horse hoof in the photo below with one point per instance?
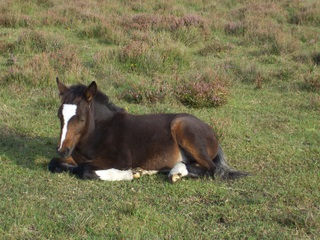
(174, 178)
(53, 166)
(137, 173)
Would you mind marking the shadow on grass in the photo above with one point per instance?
(26, 151)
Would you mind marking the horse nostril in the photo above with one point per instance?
(64, 153)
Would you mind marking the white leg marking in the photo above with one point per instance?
(179, 169)
(68, 111)
(113, 174)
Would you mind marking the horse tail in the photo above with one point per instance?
(223, 171)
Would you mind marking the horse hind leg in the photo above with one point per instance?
(197, 140)
(182, 169)
(177, 172)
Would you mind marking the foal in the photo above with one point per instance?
(99, 140)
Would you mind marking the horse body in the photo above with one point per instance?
(99, 139)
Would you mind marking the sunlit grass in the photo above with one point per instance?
(258, 61)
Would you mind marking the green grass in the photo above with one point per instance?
(264, 55)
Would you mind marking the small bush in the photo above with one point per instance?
(312, 82)
(132, 93)
(36, 72)
(162, 22)
(64, 60)
(259, 28)
(190, 20)
(235, 28)
(103, 31)
(150, 58)
(203, 90)
(42, 68)
(142, 22)
(304, 13)
(13, 20)
(38, 42)
(316, 58)
(144, 91)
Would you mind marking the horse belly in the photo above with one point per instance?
(159, 157)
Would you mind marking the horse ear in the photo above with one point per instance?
(62, 88)
(91, 91)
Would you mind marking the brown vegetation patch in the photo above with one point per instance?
(312, 82)
(214, 47)
(146, 91)
(13, 20)
(158, 22)
(203, 89)
(304, 13)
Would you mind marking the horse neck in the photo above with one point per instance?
(97, 113)
(102, 112)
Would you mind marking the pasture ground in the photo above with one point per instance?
(262, 62)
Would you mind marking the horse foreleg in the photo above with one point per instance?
(100, 169)
(58, 165)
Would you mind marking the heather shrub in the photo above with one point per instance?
(164, 22)
(311, 82)
(203, 89)
(36, 72)
(65, 60)
(9, 20)
(145, 91)
(304, 13)
(150, 58)
(38, 41)
(132, 93)
(235, 28)
(103, 31)
(190, 29)
(316, 58)
(43, 68)
(95, 30)
(142, 22)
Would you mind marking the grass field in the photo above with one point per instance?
(250, 69)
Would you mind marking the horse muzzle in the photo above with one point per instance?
(65, 152)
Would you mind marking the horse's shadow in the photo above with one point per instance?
(26, 151)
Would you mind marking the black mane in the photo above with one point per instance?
(76, 92)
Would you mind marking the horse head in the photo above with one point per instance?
(74, 114)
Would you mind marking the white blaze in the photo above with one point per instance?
(68, 111)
